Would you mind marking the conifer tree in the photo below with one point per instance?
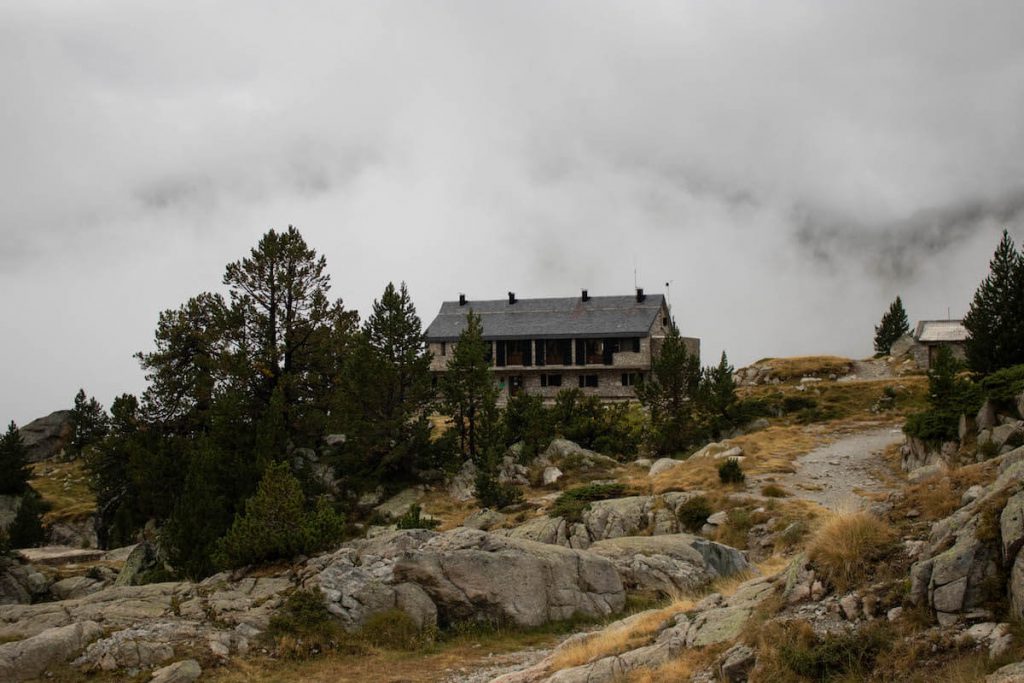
(14, 471)
(995, 321)
(279, 296)
(386, 389)
(670, 392)
(894, 324)
(90, 423)
(189, 364)
(468, 385)
(27, 530)
(718, 397)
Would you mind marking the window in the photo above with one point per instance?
(631, 379)
(554, 352)
(587, 381)
(444, 348)
(515, 384)
(636, 344)
(551, 380)
(514, 352)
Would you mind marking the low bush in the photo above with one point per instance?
(799, 652)
(1004, 386)
(694, 513)
(571, 504)
(847, 546)
(490, 491)
(730, 472)
(796, 403)
(413, 519)
(303, 627)
(773, 491)
(395, 630)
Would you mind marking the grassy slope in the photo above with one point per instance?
(64, 486)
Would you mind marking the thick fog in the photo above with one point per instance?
(789, 167)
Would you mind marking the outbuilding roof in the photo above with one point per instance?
(599, 316)
(936, 331)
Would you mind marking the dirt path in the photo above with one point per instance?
(830, 475)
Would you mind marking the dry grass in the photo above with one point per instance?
(65, 486)
(680, 668)
(804, 366)
(638, 630)
(635, 632)
(450, 512)
(846, 545)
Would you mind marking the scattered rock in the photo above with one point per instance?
(551, 475)
(663, 465)
(485, 519)
(398, 504)
(184, 671)
(737, 662)
(142, 558)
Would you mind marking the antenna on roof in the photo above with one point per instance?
(636, 285)
(948, 315)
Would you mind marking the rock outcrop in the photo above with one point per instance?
(972, 548)
(29, 658)
(47, 437)
(672, 564)
(715, 620)
(604, 519)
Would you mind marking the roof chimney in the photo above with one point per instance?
(586, 295)
(511, 298)
(462, 299)
(640, 294)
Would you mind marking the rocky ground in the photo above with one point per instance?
(837, 474)
(622, 589)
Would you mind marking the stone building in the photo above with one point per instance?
(928, 337)
(602, 345)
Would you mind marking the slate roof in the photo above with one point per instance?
(935, 331)
(600, 316)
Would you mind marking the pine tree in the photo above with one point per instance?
(386, 389)
(995, 321)
(26, 531)
(14, 471)
(279, 295)
(189, 364)
(669, 394)
(468, 385)
(90, 423)
(275, 523)
(894, 324)
(718, 397)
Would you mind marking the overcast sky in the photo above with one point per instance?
(789, 167)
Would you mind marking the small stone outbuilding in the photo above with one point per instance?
(929, 336)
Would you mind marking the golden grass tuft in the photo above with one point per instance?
(622, 638)
(845, 546)
(680, 668)
(796, 367)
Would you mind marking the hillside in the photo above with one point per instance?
(688, 576)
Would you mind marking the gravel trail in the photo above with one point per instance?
(828, 475)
